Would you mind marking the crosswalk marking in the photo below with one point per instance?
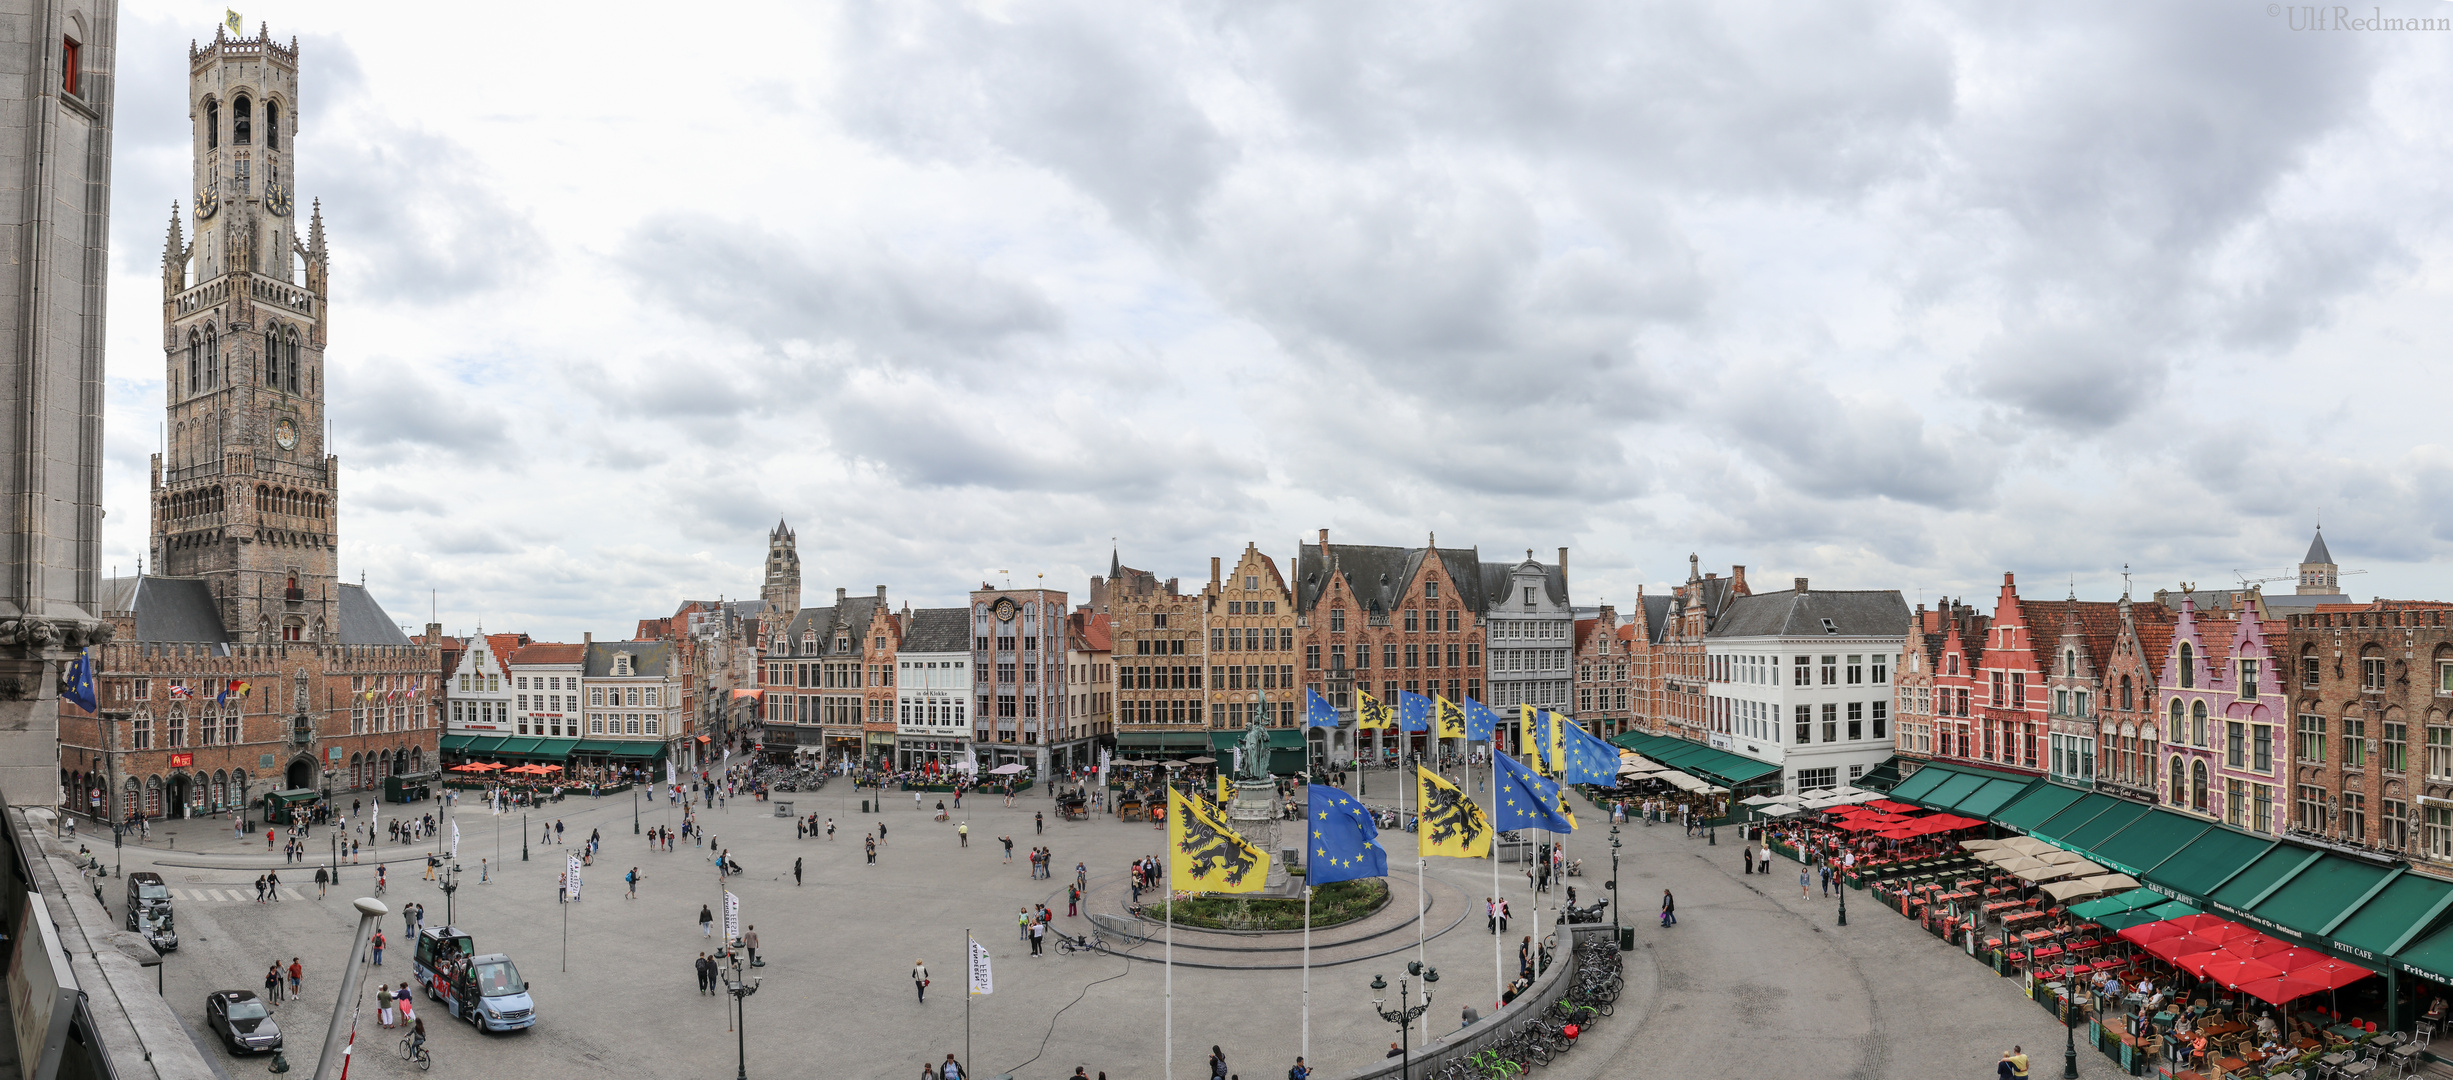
(226, 896)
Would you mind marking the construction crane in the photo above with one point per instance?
(2247, 582)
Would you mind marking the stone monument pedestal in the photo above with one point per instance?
(1253, 814)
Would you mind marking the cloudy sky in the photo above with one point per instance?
(1894, 295)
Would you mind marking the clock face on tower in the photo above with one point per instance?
(285, 434)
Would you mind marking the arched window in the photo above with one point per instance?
(242, 121)
(2180, 782)
(212, 360)
(153, 796)
(2178, 733)
(2125, 692)
(212, 123)
(2188, 667)
(2197, 723)
(291, 368)
(2069, 661)
(195, 361)
(2197, 786)
(272, 359)
(272, 125)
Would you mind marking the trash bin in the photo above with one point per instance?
(783, 808)
(864, 806)
(1626, 939)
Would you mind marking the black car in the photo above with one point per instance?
(242, 1021)
(149, 910)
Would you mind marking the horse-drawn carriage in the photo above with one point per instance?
(1073, 806)
(1129, 808)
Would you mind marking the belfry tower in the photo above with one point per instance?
(782, 588)
(245, 492)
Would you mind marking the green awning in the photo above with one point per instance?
(1718, 766)
(2123, 920)
(1279, 739)
(2076, 816)
(2208, 861)
(2311, 896)
(453, 744)
(552, 750)
(2432, 956)
(640, 750)
(2132, 900)
(2236, 896)
(598, 746)
(482, 745)
(1881, 777)
(1918, 784)
(2399, 912)
(1995, 794)
(2174, 910)
(517, 746)
(2038, 806)
(2110, 822)
(2149, 840)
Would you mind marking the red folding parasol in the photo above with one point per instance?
(2232, 971)
(2282, 990)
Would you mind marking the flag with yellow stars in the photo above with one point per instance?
(1413, 712)
(1370, 713)
(1451, 824)
(1528, 800)
(1589, 760)
(1203, 855)
(1480, 721)
(1451, 718)
(1345, 844)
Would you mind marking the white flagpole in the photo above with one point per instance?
(1169, 898)
(1419, 863)
(1498, 943)
(1307, 955)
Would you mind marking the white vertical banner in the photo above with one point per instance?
(571, 871)
(982, 980)
(455, 838)
(732, 917)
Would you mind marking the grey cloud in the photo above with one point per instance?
(916, 308)
(1085, 91)
(2081, 378)
(1828, 447)
(395, 408)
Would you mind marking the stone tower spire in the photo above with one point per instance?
(246, 495)
(2319, 575)
(782, 589)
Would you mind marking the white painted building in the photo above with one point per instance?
(932, 688)
(545, 688)
(1802, 679)
(477, 695)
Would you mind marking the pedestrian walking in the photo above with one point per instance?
(1805, 882)
(951, 1070)
(706, 922)
(1746, 859)
(881, 832)
(1039, 823)
(377, 944)
(706, 974)
(796, 872)
(562, 887)
(1217, 1064)
(259, 888)
(749, 940)
(272, 984)
(482, 872)
(830, 828)
(871, 843)
(964, 831)
(631, 879)
(919, 980)
(1039, 931)
(1504, 912)
(297, 973)
(1022, 924)
(1009, 848)
(1763, 859)
(321, 879)
(272, 885)
(1669, 909)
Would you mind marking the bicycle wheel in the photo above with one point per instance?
(425, 1059)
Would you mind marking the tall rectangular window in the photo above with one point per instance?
(2392, 824)
(1805, 724)
(1856, 720)
(70, 70)
(2396, 747)
(2261, 741)
(2354, 823)
(2248, 680)
(1805, 672)
(2235, 796)
(2439, 837)
(1856, 670)
(2312, 808)
(1831, 722)
(2439, 752)
(2372, 674)
(2261, 807)
(1831, 671)
(1882, 719)
(2235, 746)
(2312, 737)
(2354, 742)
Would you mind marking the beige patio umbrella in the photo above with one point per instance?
(2028, 845)
(2043, 872)
(2071, 889)
(2021, 865)
(2061, 855)
(1979, 845)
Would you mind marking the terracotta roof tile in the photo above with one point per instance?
(549, 653)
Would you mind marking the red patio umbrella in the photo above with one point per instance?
(2335, 974)
(2256, 946)
(1893, 807)
(2176, 946)
(2282, 990)
(2294, 958)
(2223, 933)
(2192, 923)
(2150, 933)
(2193, 956)
(2232, 971)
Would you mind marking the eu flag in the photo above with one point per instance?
(1345, 844)
(79, 682)
(1527, 799)
(1316, 710)
(1589, 760)
(1413, 712)
(1479, 720)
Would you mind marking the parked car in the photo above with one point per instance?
(242, 1021)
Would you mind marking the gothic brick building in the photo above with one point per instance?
(243, 664)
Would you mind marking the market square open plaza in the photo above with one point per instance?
(1753, 980)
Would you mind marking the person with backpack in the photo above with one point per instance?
(1669, 909)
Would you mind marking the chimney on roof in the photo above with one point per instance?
(1737, 580)
(1562, 564)
(1213, 572)
(1801, 585)
(838, 596)
(1324, 539)
(1171, 587)
(1711, 575)
(587, 638)
(881, 594)
(434, 631)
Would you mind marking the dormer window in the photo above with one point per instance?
(1830, 627)
(1430, 589)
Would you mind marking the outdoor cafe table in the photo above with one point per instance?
(2023, 917)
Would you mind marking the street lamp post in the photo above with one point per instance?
(740, 992)
(2069, 1037)
(523, 838)
(634, 809)
(1613, 883)
(1843, 884)
(451, 884)
(1402, 1016)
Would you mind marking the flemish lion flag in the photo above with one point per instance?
(1451, 824)
(1369, 712)
(1203, 855)
(1451, 718)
